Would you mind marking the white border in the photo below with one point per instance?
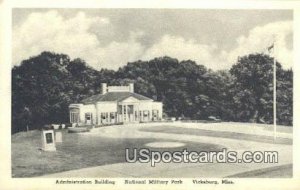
(5, 88)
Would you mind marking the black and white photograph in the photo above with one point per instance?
(167, 97)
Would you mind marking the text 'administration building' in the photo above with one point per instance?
(116, 104)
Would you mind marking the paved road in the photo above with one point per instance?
(184, 169)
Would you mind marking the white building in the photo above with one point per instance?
(116, 104)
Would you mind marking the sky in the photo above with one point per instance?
(110, 38)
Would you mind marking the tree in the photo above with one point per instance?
(43, 86)
(253, 88)
(38, 90)
(285, 97)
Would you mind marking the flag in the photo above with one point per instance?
(271, 48)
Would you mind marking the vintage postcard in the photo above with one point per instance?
(173, 95)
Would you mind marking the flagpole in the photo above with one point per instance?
(274, 89)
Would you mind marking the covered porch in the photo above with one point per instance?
(133, 112)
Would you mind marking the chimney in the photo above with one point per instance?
(104, 88)
(131, 87)
(61, 61)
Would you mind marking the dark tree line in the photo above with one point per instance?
(43, 86)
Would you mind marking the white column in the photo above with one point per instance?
(99, 118)
(126, 107)
(133, 111)
(122, 113)
(161, 112)
(138, 113)
(150, 115)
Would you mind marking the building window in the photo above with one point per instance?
(155, 115)
(112, 115)
(103, 117)
(146, 112)
(130, 109)
(74, 117)
(88, 118)
(141, 115)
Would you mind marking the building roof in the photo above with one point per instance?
(113, 96)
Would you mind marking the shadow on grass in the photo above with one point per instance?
(79, 151)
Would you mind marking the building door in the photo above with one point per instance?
(146, 115)
(130, 113)
(74, 116)
(88, 118)
(136, 116)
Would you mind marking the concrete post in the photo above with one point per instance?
(58, 136)
(48, 141)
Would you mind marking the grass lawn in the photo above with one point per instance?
(281, 129)
(77, 151)
(222, 134)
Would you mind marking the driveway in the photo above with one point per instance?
(181, 132)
